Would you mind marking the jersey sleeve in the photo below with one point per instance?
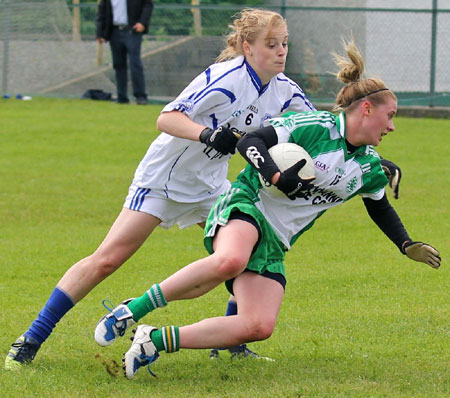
(215, 93)
(296, 99)
(282, 126)
(374, 178)
(304, 128)
(375, 195)
(197, 98)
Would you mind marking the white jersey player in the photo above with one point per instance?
(185, 169)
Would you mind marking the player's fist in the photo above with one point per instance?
(423, 252)
(222, 139)
(394, 175)
(291, 184)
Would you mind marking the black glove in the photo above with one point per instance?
(422, 252)
(291, 184)
(222, 139)
(394, 175)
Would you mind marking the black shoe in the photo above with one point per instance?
(141, 101)
(21, 353)
(242, 351)
(122, 101)
(214, 354)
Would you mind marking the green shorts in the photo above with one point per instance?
(269, 254)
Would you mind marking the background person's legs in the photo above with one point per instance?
(134, 41)
(119, 56)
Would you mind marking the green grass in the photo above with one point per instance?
(358, 319)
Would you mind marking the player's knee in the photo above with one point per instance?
(230, 265)
(260, 329)
(105, 264)
(263, 331)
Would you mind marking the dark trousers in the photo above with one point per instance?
(127, 43)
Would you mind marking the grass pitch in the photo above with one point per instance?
(358, 319)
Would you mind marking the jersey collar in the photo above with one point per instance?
(340, 126)
(255, 79)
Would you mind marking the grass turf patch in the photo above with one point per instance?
(358, 319)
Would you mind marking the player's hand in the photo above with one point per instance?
(394, 175)
(222, 139)
(422, 252)
(290, 182)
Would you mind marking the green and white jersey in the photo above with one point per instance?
(339, 175)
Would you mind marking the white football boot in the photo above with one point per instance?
(114, 324)
(141, 353)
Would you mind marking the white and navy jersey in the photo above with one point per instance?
(226, 94)
(340, 175)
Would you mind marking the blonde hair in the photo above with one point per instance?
(351, 71)
(247, 25)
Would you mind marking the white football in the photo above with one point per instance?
(286, 155)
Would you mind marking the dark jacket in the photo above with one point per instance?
(138, 11)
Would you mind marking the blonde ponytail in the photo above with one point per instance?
(351, 73)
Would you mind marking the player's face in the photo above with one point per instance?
(380, 121)
(267, 55)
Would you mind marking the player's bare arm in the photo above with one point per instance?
(179, 125)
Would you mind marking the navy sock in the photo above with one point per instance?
(55, 308)
(232, 308)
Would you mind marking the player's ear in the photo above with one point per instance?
(367, 108)
(246, 47)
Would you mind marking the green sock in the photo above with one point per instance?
(151, 299)
(166, 338)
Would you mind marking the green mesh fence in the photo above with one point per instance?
(49, 48)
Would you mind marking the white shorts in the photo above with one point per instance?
(167, 210)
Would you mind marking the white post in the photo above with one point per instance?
(76, 20)
(99, 48)
(197, 18)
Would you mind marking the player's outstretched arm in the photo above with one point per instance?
(387, 219)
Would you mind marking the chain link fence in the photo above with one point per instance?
(49, 48)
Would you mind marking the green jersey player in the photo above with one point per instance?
(249, 230)
(185, 169)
